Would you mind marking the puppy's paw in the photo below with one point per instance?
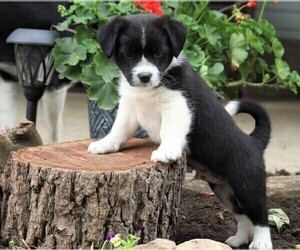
(166, 154)
(261, 244)
(237, 240)
(262, 238)
(103, 146)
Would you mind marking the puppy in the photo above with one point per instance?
(160, 92)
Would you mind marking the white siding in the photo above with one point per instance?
(285, 16)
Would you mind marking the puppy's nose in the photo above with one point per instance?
(144, 77)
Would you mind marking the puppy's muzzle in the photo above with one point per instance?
(145, 77)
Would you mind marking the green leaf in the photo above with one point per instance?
(68, 51)
(266, 28)
(295, 78)
(275, 221)
(245, 69)
(277, 217)
(188, 21)
(277, 47)
(83, 33)
(130, 241)
(71, 72)
(282, 68)
(84, 13)
(172, 4)
(262, 65)
(237, 49)
(266, 77)
(104, 92)
(124, 7)
(63, 25)
(216, 69)
(204, 70)
(91, 45)
(254, 41)
(196, 55)
(105, 67)
(103, 12)
(293, 81)
(210, 33)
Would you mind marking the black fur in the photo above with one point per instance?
(216, 142)
(214, 139)
(122, 38)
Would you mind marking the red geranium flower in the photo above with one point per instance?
(251, 4)
(152, 6)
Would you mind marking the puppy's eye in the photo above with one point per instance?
(157, 54)
(128, 55)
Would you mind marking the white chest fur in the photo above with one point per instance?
(162, 112)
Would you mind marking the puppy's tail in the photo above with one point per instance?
(262, 130)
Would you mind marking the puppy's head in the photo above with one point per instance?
(143, 46)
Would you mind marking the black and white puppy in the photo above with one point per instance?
(160, 92)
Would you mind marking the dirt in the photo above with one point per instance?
(203, 216)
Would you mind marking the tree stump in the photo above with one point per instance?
(13, 139)
(60, 196)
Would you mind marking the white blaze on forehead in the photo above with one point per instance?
(144, 66)
(143, 36)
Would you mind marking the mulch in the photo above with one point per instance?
(203, 216)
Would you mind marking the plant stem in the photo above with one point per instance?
(230, 7)
(198, 18)
(244, 83)
(262, 10)
(102, 248)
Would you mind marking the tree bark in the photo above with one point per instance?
(25, 135)
(60, 196)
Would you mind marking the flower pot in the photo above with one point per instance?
(101, 121)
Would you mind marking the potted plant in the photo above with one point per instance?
(228, 51)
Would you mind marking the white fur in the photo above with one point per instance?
(144, 66)
(244, 233)
(54, 103)
(9, 92)
(232, 107)
(176, 61)
(163, 113)
(143, 37)
(261, 238)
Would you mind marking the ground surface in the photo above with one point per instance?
(199, 217)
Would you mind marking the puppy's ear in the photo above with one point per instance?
(176, 32)
(107, 35)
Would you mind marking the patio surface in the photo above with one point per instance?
(283, 151)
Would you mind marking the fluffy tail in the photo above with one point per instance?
(262, 130)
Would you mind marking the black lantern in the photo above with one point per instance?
(34, 63)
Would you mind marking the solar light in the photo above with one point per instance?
(34, 63)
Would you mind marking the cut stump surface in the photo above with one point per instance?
(60, 196)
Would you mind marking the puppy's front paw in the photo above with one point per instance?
(103, 146)
(237, 240)
(261, 244)
(166, 154)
